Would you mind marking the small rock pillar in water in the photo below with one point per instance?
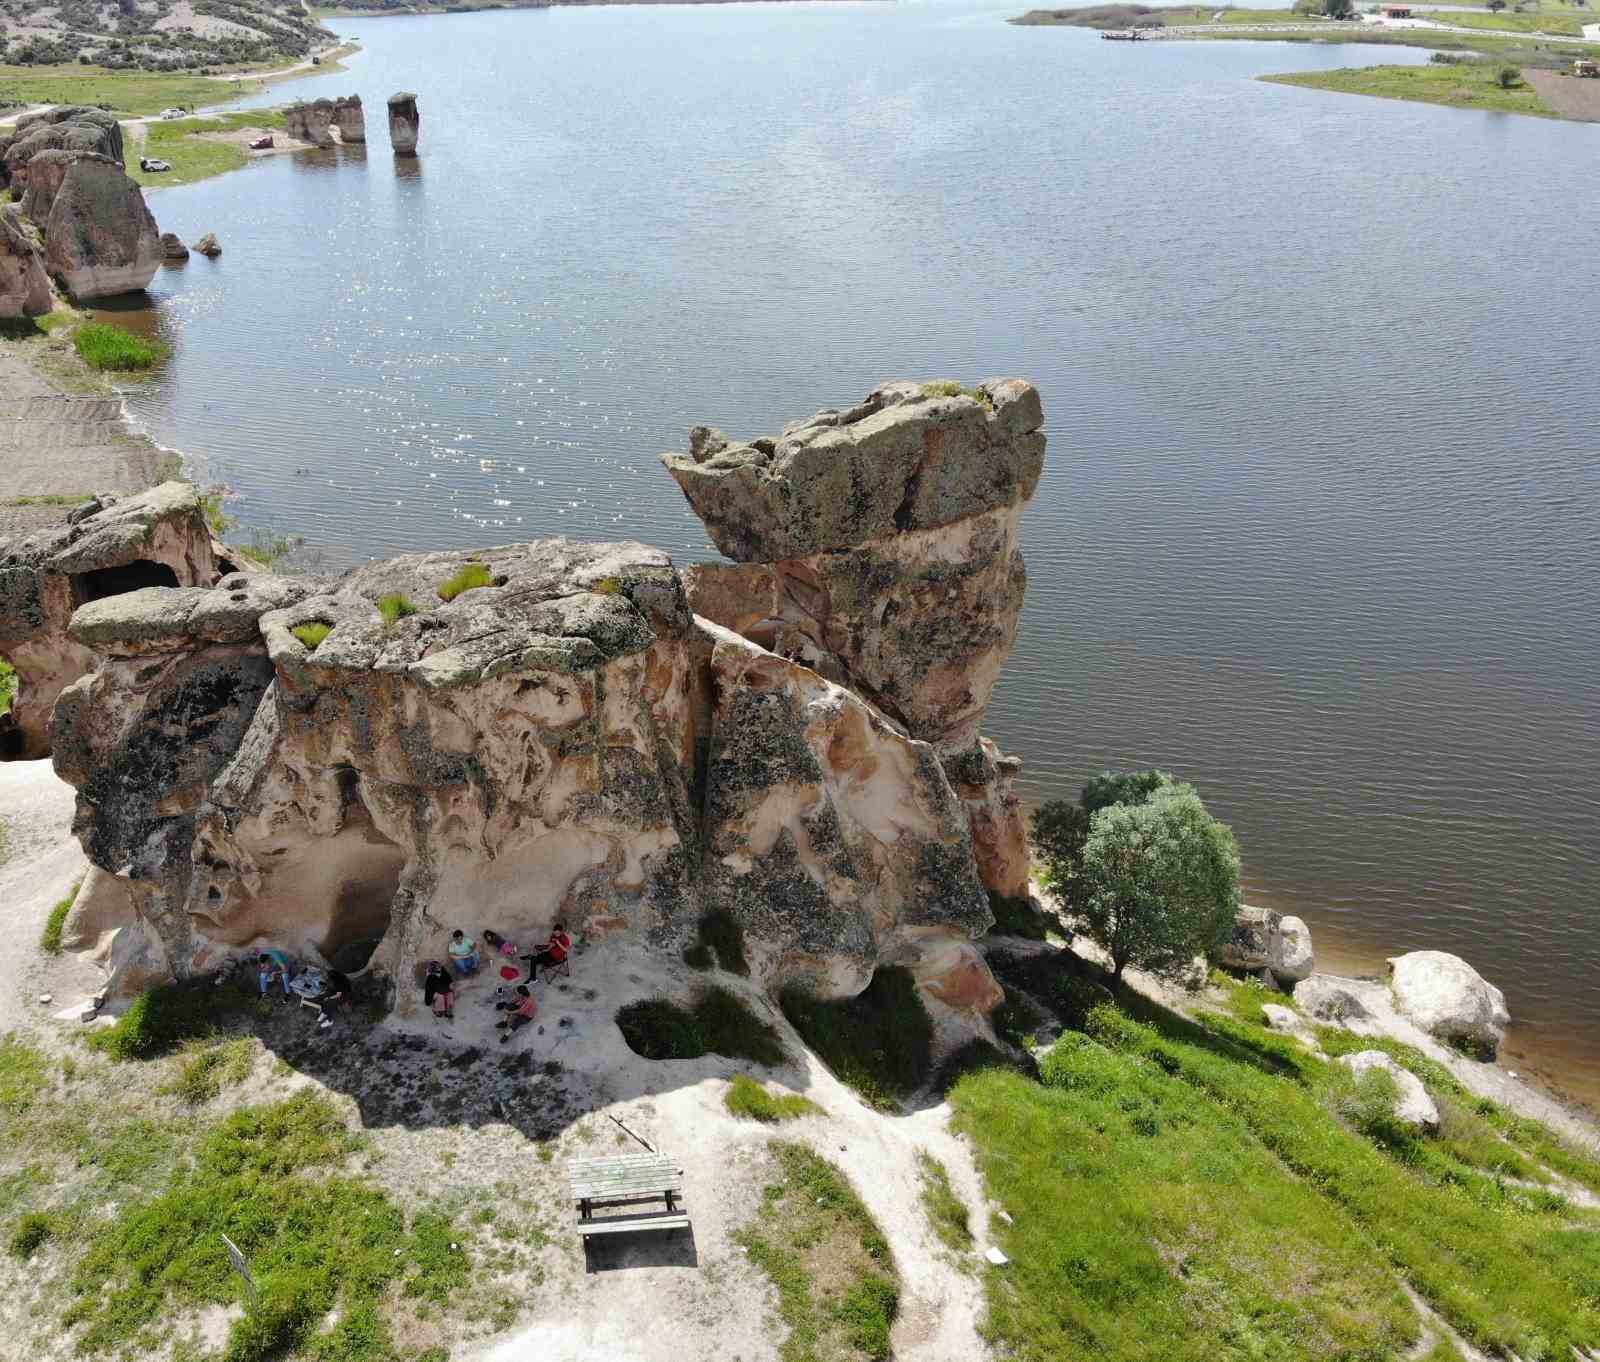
(404, 123)
(349, 119)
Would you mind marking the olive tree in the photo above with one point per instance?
(1157, 882)
(1061, 827)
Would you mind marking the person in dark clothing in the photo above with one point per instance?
(439, 991)
(552, 953)
(336, 989)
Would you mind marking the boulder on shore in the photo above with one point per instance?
(1413, 1106)
(1292, 957)
(172, 247)
(100, 239)
(405, 123)
(1328, 998)
(1450, 1000)
(24, 285)
(1249, 946)
(46, 171)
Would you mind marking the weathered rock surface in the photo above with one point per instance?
(1292, 956)
(405, 123)
(24, 285)
(1250, 946)
(209, 246)
(1331, 999)
(72, 128)
(349, 119)
(310, 122)
(172, 247)
(106, 546)
(1413, 1106)
(1450, 1000)
(46, 171)
(100, 239)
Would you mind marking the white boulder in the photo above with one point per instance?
(1292, 959)
(1413, 1106)
(1449, 999)
(1331, 999)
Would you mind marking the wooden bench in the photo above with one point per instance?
(625, 1181)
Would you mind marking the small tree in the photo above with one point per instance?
(1061, 827)
(1507, 77)
(1495, 6)
(1158, 882)
(1339, 9)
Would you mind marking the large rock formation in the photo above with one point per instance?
(310, 122)
(73, 128)
(405, 123)
(100, 239)
(106, 546)
(1450, 1000)
(1263, 940)
(349, 119)
(878, 546)
(46, 171)
(24, 286)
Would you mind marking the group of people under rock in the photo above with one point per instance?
(439, 984)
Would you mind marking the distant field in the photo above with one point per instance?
(1462, 87)
(134, 93)
(195, 157)
(1569, 22)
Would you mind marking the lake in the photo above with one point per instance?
(1320, 524)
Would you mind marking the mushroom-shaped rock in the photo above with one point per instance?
(100, 239)
(172, 248)
(1412, 1106)
(106, 546)
(1450, 1000)
(24, 286)
(1292, 957)
(349, 119)
(405, 123)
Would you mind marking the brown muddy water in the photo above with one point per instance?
(1319, 525)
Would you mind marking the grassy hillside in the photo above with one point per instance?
(157, 35)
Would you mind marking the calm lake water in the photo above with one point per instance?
(1320, 526)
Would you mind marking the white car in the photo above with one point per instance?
(173, 113)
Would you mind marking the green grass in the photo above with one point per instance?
(1018, 917)
(33, 1229)
(748, 1098)
(1463, 87)
(947, 1212)
(207, 1068)
(161, 1019)
(50, 938)
(110, 348)
(717, 1022)
(950, 388)
(1567, 23)
(53, 499)
(125, 92)
(836, 1281)
(8, 685)
(268, 1177)
(218, 521)
(312, 633)
(267, 549)
(880, 1042)
(188, 146)
(468, 578)
(394, 608)
(22, 1073)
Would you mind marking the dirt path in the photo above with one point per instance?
(1569, 96)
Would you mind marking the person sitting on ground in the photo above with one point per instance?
(335, 989)
(552, 953)
(439, 991)
(463, 952)
(519, 1012)
(273, 964)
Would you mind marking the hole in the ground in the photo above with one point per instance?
(98, 583)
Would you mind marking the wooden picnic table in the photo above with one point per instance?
(627, 1180)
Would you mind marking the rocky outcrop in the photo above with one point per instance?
(1450, 1000)
(70, 128)
(100, 239)
(1292, 956)
(1263, 941)
(105, 547)
(209, 246)
(24, 286)
(405, 123)
(46, 171)
(1412, 1105)
(878, 546)
(1328, 998)
(172, 248)
(311, 122)
(349, 119)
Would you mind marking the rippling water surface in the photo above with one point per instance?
(1320, 526)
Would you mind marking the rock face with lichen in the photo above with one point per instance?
(405, 123)
(878, 546)
(352, 769)
(350, 119)
(100, 239)
(68, 127)
(310, 122)
(106, 546)
(24, 286)
(46, 171)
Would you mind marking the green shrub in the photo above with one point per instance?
(160, 1019)
(22, 1073)
(1015, 916)
(719, 932)
(111, 348)
(1367, 1102)
(206, 1069)
(50, 938)
(949, 388)
(394, 608)
(30, 1235)
(8, 685)
(217, 520)
(880, 1042)
(312, 633)
(717, 1023)
(470, 577)
(978, 1054)
(1062, 982)
(746, 1097)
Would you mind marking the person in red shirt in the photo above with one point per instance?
(553, 952)
(519, 1012)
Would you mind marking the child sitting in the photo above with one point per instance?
(519, 1012)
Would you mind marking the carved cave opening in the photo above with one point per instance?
(99, 583)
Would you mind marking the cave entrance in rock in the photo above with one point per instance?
(367, 868)
(99, 583)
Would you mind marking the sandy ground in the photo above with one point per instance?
(1570, 96)
(458, 1117)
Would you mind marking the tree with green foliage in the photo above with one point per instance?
(1495, 6)
(1158, 883)
(1507, 77)
(1339, 9)
(1060, 827)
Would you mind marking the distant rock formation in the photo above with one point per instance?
(100, 239)
(106, 546)
(349, 119)
(209, 246)
(46, 171)
(311, 122)
(24, 285)
(405, 123)
(68, 127)
(172, 247)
